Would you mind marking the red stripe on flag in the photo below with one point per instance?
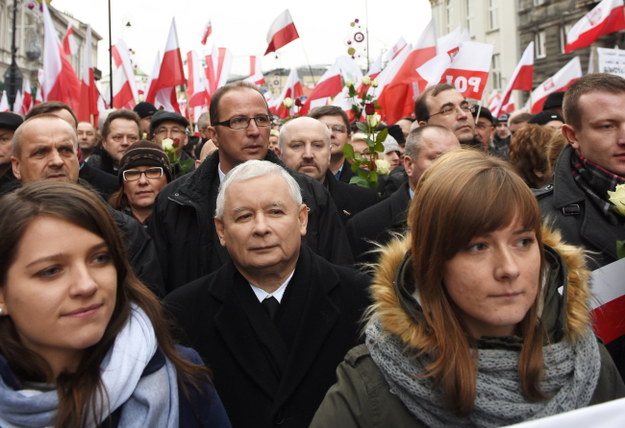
(282, 37)
(608, 321)
(615, 21)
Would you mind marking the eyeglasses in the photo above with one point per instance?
(243, 122)
(173, 132)
(337, 128)
(447, 110)
(135, 174)
(130, 138)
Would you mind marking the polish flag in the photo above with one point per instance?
(293, 89)
(38, 99)
(217, 69)
(281, 32)
(88, 110)
(125, 93)
(559, 82)
(608, 303)
(197, 88)
(398, 96)
(605, 18)
(18, 104)
(396, 49)
(330, 84)
(69, 41)
(4, 102)
(208, 29)
(171, 74)
(28, 97)
(522, 79)
(161, 98)
(60, 82)
(376, 68)
(256, 75)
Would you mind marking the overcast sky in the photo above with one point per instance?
(323, 26)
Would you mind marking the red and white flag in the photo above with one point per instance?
(293, 89)
(281, 32)
(208, 29)
(330, 84)
(4, 102)
(493, 100)
(125, 93)
(171, 74)
(197, 87)
(69, 41)
(605, 18)
(60, 82)
(522, 79)
(88, 110)
(28, 97)
(217, 69)
(608, 303)
(396, 49)
(256, 75)
(559, 82)
(376, 68)
(18, 103)
(397, 97)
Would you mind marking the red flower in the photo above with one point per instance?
(298, 102)
(369, 109)
(176, 142)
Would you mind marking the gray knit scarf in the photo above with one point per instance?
(570, 378)
(145, 401)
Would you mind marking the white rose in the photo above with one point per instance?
(373, 120)
(288, 102)
(374, 83)
(382, 166)
(348, 83)
(618, 198)
(366, 80)
(167, 144)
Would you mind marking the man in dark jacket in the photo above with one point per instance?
(304, 146)
(45, 149)
(378, 223)
(182, 225)
(577, 203)
(273, 322)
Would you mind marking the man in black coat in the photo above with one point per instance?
(182, 225)
(276, 319)
(578, 203)
(378, 223)
(304, 146)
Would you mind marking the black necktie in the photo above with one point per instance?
(271, 305)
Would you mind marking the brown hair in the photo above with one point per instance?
(528, 154)
(596, 82)
(49, 107)
(78, 391)
(443, 220)
(556, 143)
(120, 114)
(421, 110)
(213, 109)
(320, 111)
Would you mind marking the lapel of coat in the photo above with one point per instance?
(315, 314)
(247, 332)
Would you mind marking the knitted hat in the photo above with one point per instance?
(545, 117)
(144, 153)
(10, 120)
(144, 109)
(391, 145)
(166, 116)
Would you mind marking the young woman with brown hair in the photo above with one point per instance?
(479, 319)
(82, 341)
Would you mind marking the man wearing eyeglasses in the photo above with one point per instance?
(444, 105)
(120, 130)
(182, 226)
(168, 124)
(484, 127)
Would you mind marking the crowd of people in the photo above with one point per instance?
(154, 276)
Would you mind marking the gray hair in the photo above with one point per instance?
(252, 169)
(414, 141)
(17, 136)
(204, 120)
(284, 130)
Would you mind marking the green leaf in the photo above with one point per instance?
(381, 136)
(362, 127)
(620, 249)
(359, 181)
(379, 147)
(348, 151)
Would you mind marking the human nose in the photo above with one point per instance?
(252, 128)
(507, 267)
(82, 282)
(143, 178)
(307, 151)
(55, 158)
(260, 225)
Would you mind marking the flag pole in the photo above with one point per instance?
(308, 62)
(110, 58)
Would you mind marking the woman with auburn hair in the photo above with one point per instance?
(480, 318)
(82, 341)
(528, 154)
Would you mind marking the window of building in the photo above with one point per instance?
(496, 71)
(539, 45)
(564, 30)
(493, 21)
(469, 9)
(448, 15)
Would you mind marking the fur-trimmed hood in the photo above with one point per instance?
(563, 315)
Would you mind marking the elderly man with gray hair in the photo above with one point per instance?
(275, 320)
(304, 146)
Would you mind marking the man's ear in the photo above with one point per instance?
(569, 133)
(15, 165)
(422, 123)
(302, 215)
(219, 228)
(3, 308)
(212, 135)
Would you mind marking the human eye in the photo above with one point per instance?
(67, 150)
(476, 247)
(466, 107)
(296, 145)
(526, 242)
(446, 110)
(276, 211)
(102, 258)
(39, 153)
(49, 272)
(262, 120)
(242, 217)
(132, 138)
(238, 121)
(318, 145)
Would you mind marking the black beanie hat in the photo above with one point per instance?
(144, 153)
